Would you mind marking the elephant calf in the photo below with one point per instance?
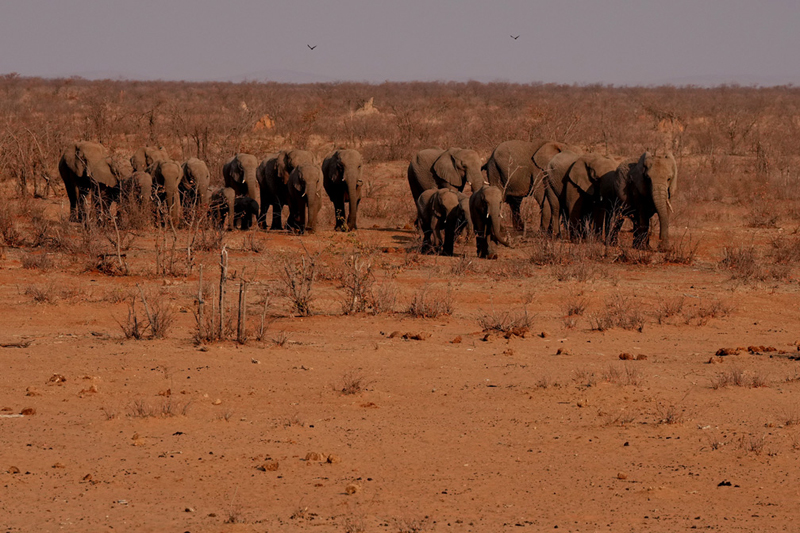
(484, 207)
(195, 187)
(227, 210)
(305, 194)
(341, 173)
(442, 218)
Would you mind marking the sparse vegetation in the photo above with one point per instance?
(431, 303)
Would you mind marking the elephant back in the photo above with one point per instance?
(146, 156)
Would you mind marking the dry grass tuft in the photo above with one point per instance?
(619, 312)
(431, 303)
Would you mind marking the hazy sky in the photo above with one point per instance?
(563, 41)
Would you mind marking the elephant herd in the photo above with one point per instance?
(291, 177)
(588, 192)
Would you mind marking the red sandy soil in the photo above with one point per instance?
(478, 435)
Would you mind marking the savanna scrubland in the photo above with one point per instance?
(354, 384)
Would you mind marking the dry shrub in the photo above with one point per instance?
(736, 377)
(431, 303)
(356, 280)
(547, 251)
(209, 238)
(133, 327)
(297, 276)
(352, 382)
(619, 312)
(786, 250)
(383, 298)
(682, 252)
(575, 304)
(32, 261)
(8, 226)
(669, 308)
(669, 413)
(624, 375)
(161, 316)
(584, 377)
(746, 265)
(506, 322)
(753, 443)
(634, 256)
(42, 294)
(761, 215)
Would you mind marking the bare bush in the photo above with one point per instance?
(356, 280)
(33, 261)
(297, 276)
(505, 322)
(431, 303)
(669, 308)
(619, 312)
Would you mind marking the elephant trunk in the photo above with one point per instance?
(661, 202)
(475, 178)
(354, 195)
(497, 231)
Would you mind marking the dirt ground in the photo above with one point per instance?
(337, 423)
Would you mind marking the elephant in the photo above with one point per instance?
(86, 167)
(144, 158)
(220, 206)
(273, 190)
(195, 188)
(574, 188)
(484, 207)
(441, 210)
(434, 168)
(167, 183)
(341, 172)
(288, 160)
(240, 175)
(136, 197)
(305, 192)
(517, 167)
(642, 188)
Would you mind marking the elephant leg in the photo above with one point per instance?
(352, 216)
(491, 249)
(641, 232)
(546, 214)
(515, 203)
(277, 211)
(338, 208)
(482, 244)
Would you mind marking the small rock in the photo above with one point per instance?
(641, 357)
(508, 351)
(58, 465)
(31, 391)
(333, 459)
(216, 402)
(457, 340)
(268, 466)
(57, 379)
(87, 477)
(352, 488)
(28, 411)
(315, 457)
(544, 334)
(727, 351)
(488, 337)
(255, 361)
(394, 334)
(583, 402)
(714, 360)
(625, 356)
(13, 470)
(90, 390)
(622, 475)
(421, 336)
(6, 409)
(563, 351)
(166, 393)
(189, 510)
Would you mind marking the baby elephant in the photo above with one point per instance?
(441, 210)
(224, 201)
(484, 207)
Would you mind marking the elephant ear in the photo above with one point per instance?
(582, 175)
(546, 152)
(639, 175)
(445, 169)
(76, 160)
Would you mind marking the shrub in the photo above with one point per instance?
(431, 303)
(510, 321)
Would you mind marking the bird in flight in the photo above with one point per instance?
(514, 37)
(311, 47)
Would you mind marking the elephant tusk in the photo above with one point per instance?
(669, 204)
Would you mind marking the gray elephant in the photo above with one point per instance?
(86, 167)
(239, 174)
(517, 169)
(195, 187)
(574, 189)
(288, 160)
(136, 197)
(221, 206)
(640, 189)
(484, 206)
(442, 218)
(167, 183)
(274, 192)
(305, 194)
(341, 173)
(434, 168)
(144, 158)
